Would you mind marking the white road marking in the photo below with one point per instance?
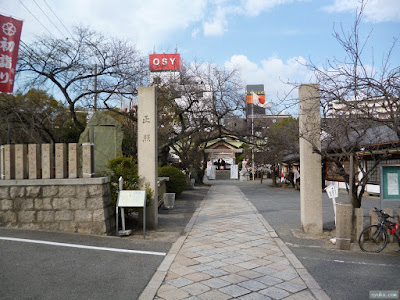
(82, 246)
(351, 262)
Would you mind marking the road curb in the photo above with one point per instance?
(155, 282)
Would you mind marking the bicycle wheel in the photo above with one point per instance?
(373, 239)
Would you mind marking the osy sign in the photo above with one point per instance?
(164, 62)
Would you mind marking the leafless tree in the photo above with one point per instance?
(360, 110)
(89, 69)
(192, 109)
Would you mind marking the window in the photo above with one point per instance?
(375, 176)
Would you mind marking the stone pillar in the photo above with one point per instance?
(21, 161)
(2, 174)
(34, 161)
(87, 160)
(389, 211)
(373, 217)
(47, 161)
(147, 149)
(358, 222)
(9, 162)
(398, 215)
(61, 160)
(310, 162)
(343, 226)
(73, 150)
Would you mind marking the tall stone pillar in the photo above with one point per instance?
(34, 161)
(2, 171)
(87, 160)
(21, 161)
(310, 161)
(73, 149)
(47, 161)
(9, 162)
(147, 149)
(61, 160)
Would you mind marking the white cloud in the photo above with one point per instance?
(218, 24)
(145, 23)
(376, 11)
(255, 7)
(222, 10)
(274, 73)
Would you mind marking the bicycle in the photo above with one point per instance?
(374, 238)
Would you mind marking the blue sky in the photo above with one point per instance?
(266, 39)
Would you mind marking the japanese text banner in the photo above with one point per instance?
(10, 33)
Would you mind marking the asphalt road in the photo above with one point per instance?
(49, 265)
(342, 274)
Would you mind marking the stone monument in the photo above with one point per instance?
(147, 149)
(106, 135)
(310, 161)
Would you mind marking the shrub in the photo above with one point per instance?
(125, 167)
(177, 179)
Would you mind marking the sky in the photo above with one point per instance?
(268, 40)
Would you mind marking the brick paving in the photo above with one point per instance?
(229, 251)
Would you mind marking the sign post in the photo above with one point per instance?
(333, 190)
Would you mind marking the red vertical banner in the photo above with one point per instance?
(10, 33)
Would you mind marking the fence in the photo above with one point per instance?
(41, 188)
(45, 161)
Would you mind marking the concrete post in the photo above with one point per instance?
(373, 217)
(47, 161)
(343, 226)
(21, 161)
(34, 161)
(87, 160)
(147, 149)
(389, 211)
(310, 162)
(398, 215)
(358, 222)
(9, 162)
(73, 150)
(2, 171)
(61, 160)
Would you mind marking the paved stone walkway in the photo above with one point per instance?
(229, 251)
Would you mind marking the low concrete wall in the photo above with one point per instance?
(71, 205)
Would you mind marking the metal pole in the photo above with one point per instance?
(95, 87)
(252, 138)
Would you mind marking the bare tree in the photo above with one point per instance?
(89, 69)
(192, 109)
(360, 109)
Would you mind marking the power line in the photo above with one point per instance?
(49, 18)
(35, 17)
(57, 17)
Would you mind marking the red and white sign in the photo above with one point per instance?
(164, 62)
(10, 33)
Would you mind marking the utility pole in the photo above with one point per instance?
(252, 138)
(95, 87)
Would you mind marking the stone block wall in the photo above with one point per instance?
(69, 205)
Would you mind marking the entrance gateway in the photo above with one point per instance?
(222, 159)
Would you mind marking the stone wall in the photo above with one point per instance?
(69, 205)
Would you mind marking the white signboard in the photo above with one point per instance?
(234, 171)
(332, 191)
(392, 184)
(132, 199)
